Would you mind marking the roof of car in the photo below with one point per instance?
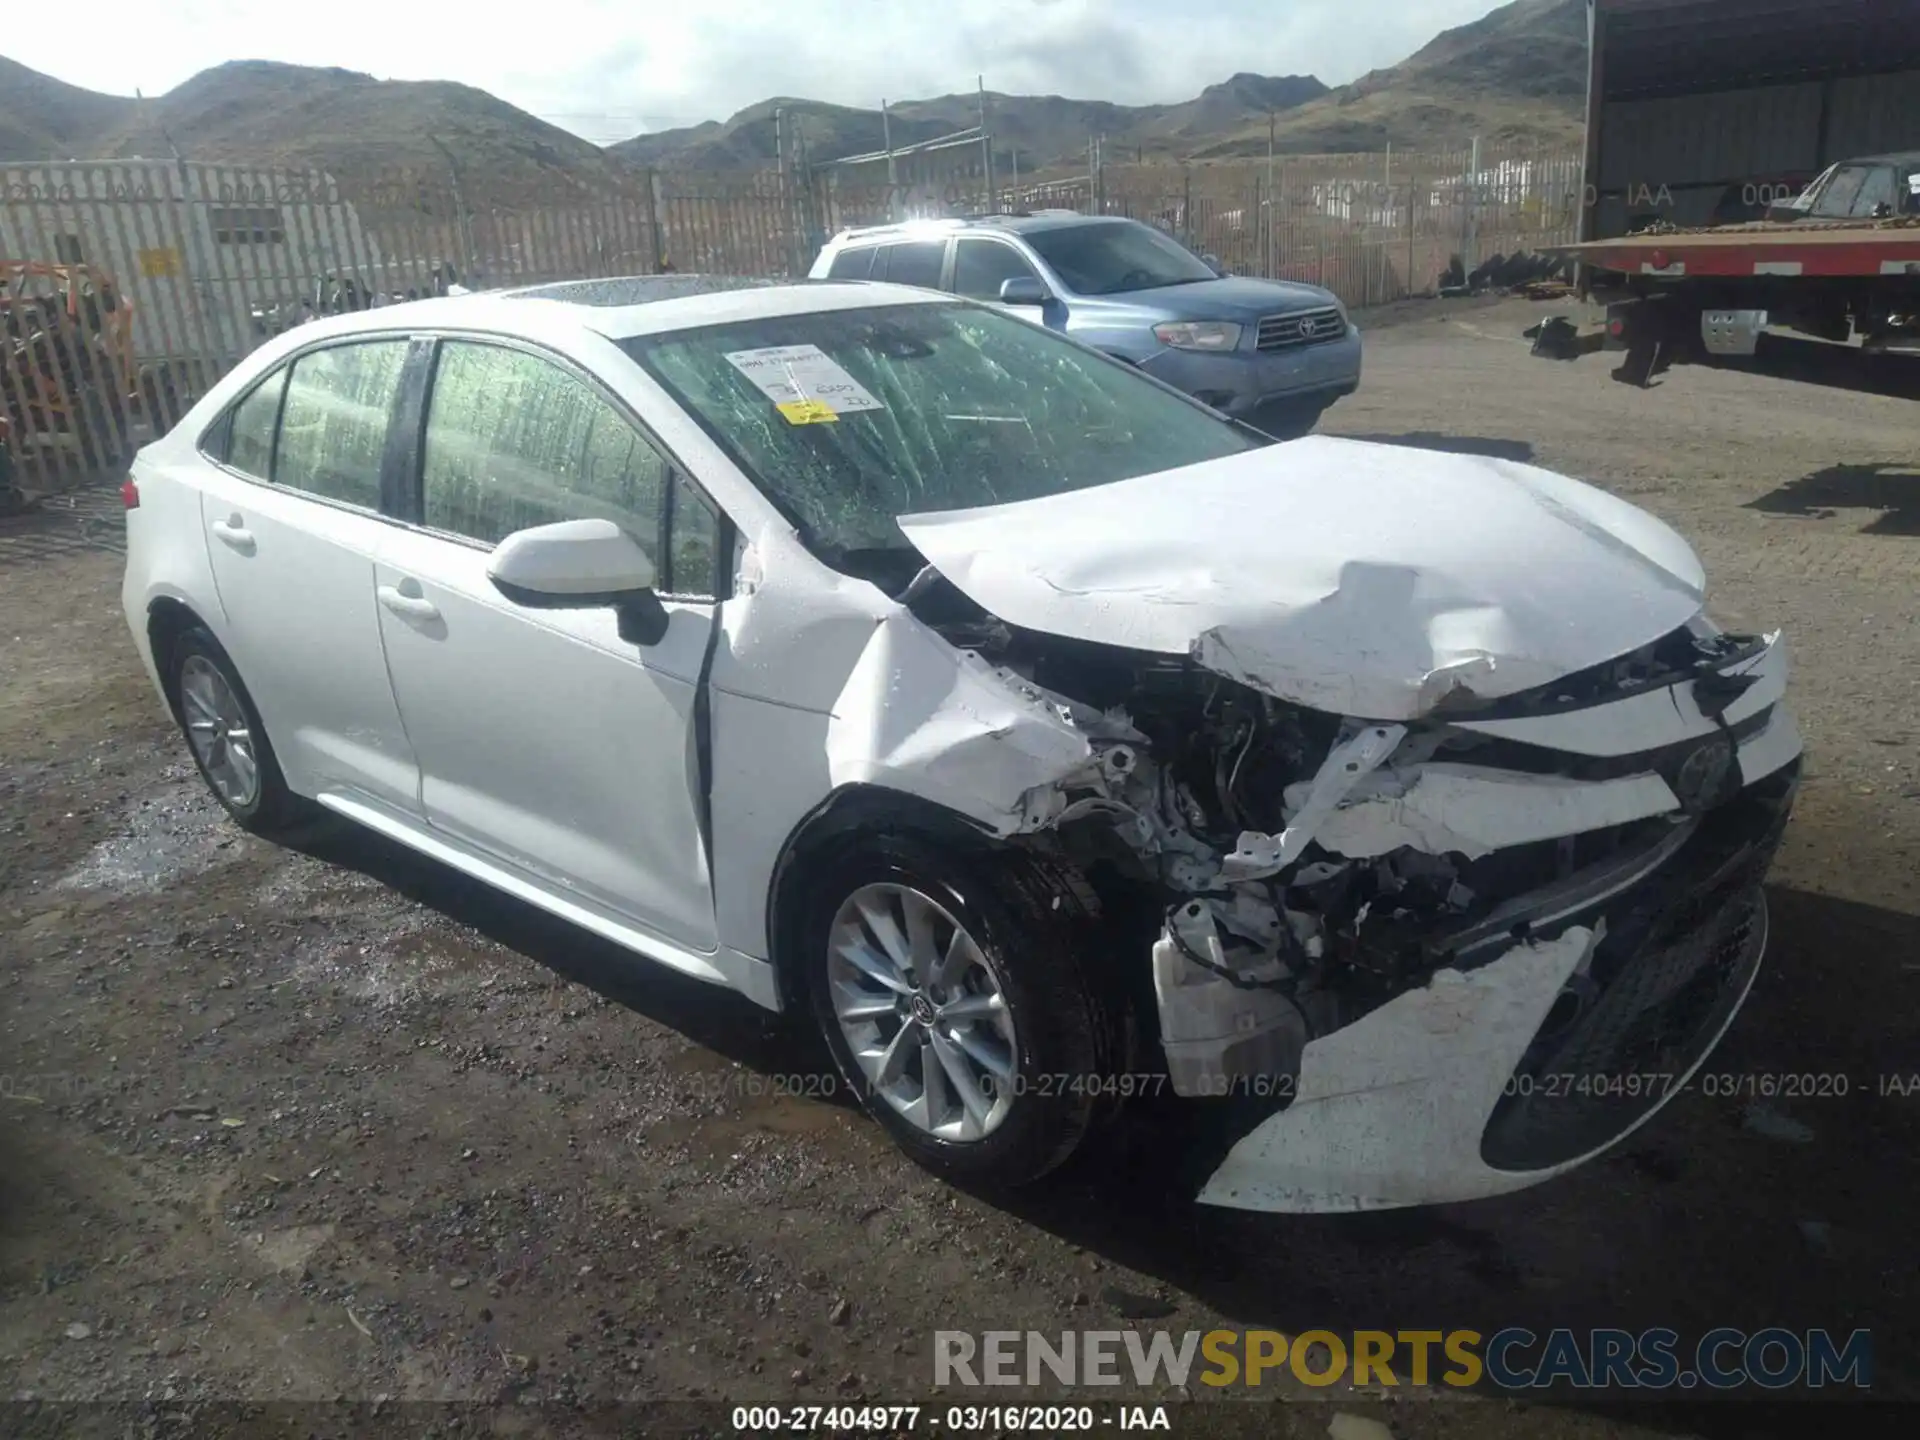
(625, 307)
(1021, 224)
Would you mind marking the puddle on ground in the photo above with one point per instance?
(168, 833)
(397, 956)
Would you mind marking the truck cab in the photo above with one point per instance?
(1875, 187)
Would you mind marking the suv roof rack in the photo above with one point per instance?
(972, 217)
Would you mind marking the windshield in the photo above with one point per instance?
(1106, 258)
(848, 419)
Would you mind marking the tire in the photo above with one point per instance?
(1289, 420)
(195, 669)
(1030, 932)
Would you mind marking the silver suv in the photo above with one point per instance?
(1270, 352)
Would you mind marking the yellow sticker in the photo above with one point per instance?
(807, 412)
(159, 264)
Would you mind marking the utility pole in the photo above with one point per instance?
(1471, 258)
(893, 179)
(463, 221)
(986, 146)
(1273, 201)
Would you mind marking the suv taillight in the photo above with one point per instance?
(130, 494)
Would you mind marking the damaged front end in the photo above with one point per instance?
(1456, 953)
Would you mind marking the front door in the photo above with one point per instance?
(982, 265)
(544, 737)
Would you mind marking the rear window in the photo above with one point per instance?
(333, 421)
(917, 262)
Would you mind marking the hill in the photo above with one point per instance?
(42, 118)
(1039, 129)
(1515, 76)
(265, 113)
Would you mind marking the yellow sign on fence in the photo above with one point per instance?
(161, 264)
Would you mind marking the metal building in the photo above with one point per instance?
(1702, 111)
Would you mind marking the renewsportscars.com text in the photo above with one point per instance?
(1511, 1359)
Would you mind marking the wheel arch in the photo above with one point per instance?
(168, 618)
(849, 811)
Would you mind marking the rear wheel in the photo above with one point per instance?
(953, 992)
(229, 744)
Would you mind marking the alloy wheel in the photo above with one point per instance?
(923, 1012)
(220, 732)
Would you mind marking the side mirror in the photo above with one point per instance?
(573, 564)
(581, 565)
(1024, 290)
(1213, 264)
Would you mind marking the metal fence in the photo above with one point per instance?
(127, 288)
(1370, 228)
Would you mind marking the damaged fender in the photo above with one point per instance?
(918, 716)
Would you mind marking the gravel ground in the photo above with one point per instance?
(333, 1123)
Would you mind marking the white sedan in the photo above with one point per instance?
(1044, 735)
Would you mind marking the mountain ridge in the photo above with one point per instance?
(1515, 76)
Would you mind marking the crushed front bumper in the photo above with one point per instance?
(1552, 1035)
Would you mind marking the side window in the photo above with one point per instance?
(513, 441)
(693, 559)
(250, 427)
(914, 263)
(853, 264)
(333, 425)
(980, 265)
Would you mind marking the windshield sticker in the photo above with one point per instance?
(806, 385)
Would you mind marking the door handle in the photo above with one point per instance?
(233, 530)
(413, 606)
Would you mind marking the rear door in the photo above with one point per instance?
(291, 504)
(545, 737)
(912, 262)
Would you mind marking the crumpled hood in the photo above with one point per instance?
(1362, 579)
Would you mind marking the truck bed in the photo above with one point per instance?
(1841, 248)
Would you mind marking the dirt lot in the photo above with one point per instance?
(285, 1125)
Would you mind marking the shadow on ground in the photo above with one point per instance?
(1700, 1222)
(1697, 1223)
(1813, 362)
(1893, 490)
(718, 1019)
(1517, 450)
(53, 526)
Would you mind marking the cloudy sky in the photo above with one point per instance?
(606, 69)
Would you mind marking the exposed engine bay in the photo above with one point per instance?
(1288, 915)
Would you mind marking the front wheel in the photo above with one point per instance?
(954, 995)
(1289, 419)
